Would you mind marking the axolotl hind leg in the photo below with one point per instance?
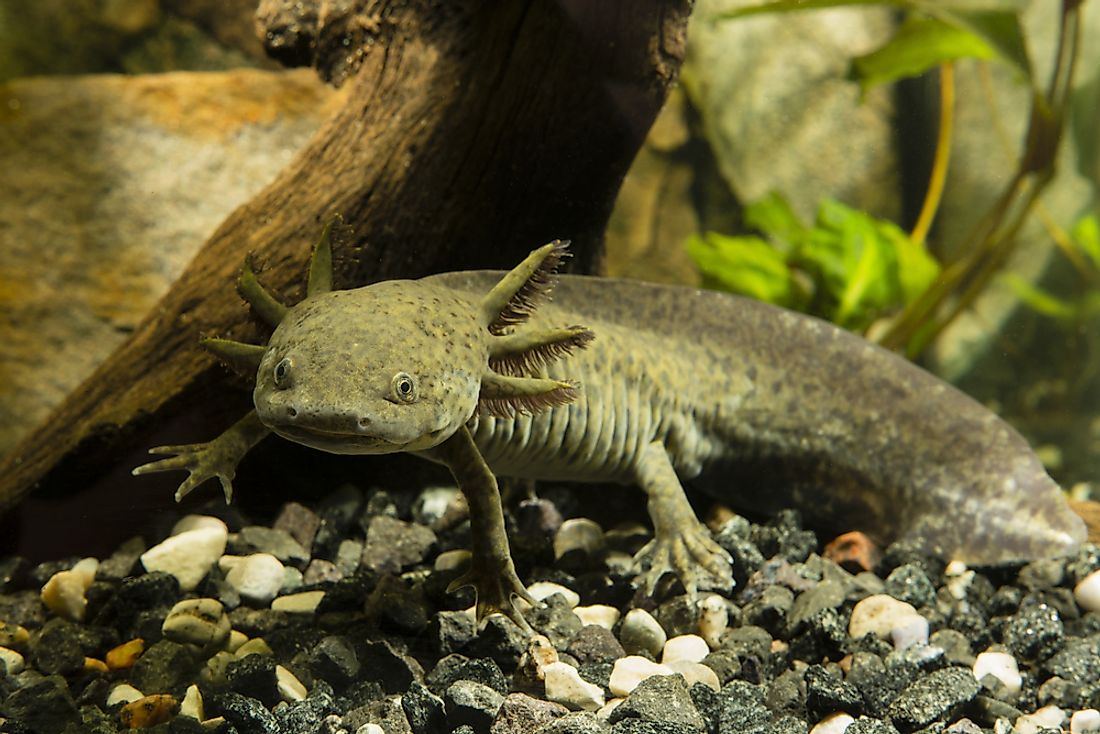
(680, 542)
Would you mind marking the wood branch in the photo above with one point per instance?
(472, 133)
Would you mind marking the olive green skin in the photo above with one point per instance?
(757, 406)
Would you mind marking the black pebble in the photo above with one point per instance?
(246, 714)
(471, 703)
(424, 710)
(826, 693)
(254, 676)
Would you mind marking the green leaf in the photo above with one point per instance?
(746, 265)
(922, 43)
(774, 216)
(917, 269)
(1038, 299)
(999, 28)
(1086, 235)
(997, 22)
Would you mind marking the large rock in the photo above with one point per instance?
(779, 113)
(111, 183)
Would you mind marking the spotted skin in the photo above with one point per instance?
(757, 406)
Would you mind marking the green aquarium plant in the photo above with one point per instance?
(854, 269)
(848, 267)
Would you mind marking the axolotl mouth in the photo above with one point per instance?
(349, 442)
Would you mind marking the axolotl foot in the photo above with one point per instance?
(691, 555)
(680, 544)
(496, 585)
(216, 459)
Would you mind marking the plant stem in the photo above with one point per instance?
(938, 176)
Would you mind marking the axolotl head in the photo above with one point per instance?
(401, 365)
(395, 366)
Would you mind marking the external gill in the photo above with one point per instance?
(513, 383)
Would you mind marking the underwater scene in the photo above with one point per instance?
(550, 367)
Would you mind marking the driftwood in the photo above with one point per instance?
(472, 133)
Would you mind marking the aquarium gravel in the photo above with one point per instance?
(337, 619)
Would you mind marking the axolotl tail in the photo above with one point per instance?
(776, 410)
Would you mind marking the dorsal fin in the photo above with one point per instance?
(527, 351)
(503, 396)
(266, 306)
(242, 358)
(519, 292)
(320, 263)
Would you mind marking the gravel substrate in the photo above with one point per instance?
(336, 619)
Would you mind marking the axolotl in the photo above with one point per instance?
(636, 383)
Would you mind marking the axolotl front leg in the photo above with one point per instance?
(491, 571)
(215, 458)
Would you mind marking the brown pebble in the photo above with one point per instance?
(148, 711)
(125, 655)
(853, 551)
(13, 636)
(94, 665)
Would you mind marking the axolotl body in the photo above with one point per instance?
(653, 385)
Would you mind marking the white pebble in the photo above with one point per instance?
(255, 646)
(632, 670)
(909, 631)
(545, 589)
(1087, 592)
(348, 556)
(63, 594)
(685, 647)
(371, 728)
(1001, 666)
(959, 578)
(955, 568)
(292, 580)
(85, 569)
(236, 639)
(433, 503)
(228, 562)
(451, 560)
(578, 534)
(11, 662)
(833, 724)
(600, 615)
(190, 554)
(188, 523)
(201, 622)
(1048, 717)
(605, 711)
(564, 685)
(878, 614)
(1086, 721)
(123, 693)
(641, 632)
(192, 703)
(714, 619)
(257, 577)
(290, 688)
(304, 602)
(696, 673)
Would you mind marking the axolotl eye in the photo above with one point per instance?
(403, 388)
(282, 374)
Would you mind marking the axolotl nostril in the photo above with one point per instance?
(757, 406)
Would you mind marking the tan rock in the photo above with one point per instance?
(111, 183)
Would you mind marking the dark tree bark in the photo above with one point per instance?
(472, 133)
